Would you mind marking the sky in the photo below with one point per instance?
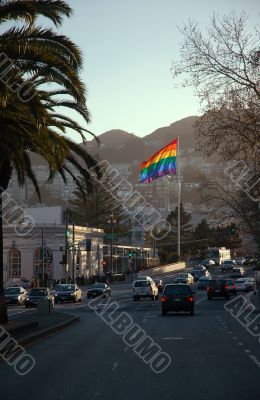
(128, 47)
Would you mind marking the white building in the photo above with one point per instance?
(47, 233)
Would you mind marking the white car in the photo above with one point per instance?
(240, 261)
(144, 278)
(145, 288)
(184, 278)
(245, 284)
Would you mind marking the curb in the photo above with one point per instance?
(48, 331)
(255, 300)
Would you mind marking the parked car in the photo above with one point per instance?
(203, 282)
(99, 289)
(245, 284)
(238, 272)
(15, 295)
(221, 288)
(145, 288)
(184, 278)
(250, 260)
(67, 292)
(177, 297)
(228, 266)
(159, 284)
(37, 294)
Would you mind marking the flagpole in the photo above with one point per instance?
(154, 232)
(179, 197)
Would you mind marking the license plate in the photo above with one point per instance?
(63, 298)
(177, 299)
(217, 291)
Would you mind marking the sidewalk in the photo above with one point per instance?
(32, 327)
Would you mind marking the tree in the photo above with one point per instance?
(30, 120)
(95, 209)
(223, 66)
(167, 247)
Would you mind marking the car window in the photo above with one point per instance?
(172, 289)
(142, 283)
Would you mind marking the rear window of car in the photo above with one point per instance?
(142, 284)
(177, 290)
(217, 283)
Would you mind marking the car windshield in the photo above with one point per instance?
(142, 283)
(66, 288)
(12, 290)
(172, 289)
(38, 292)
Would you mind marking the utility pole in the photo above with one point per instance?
(73, 253)
(42, 246)
(66, 246)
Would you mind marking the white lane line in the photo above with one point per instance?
(247, 351)
(253, 358)
(235, 337)
(230, 332)
(240, 344)
(20, 312)
(173, 338)
(199, 301)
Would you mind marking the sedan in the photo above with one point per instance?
(184, 278)
(38, 294)
(238, 272)
(228, 266)
(203, 282)
(15, 295)
(177, 298)
(68, 292)
(99, 289)
(245, 284)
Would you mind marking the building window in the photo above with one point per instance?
(14, 262)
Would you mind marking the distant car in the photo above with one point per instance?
(221, 288)
(36, 295)
(159, 284)
(240, 261)
(67, 292)
(228, 266)
(200, 267)
(203, 282)
(99, 289)
(198, 273)
(245, 284)
(144, 278)
(208, 263)
(238, 272)
(177, 297)
(249, 260)
(15, 295)
(184, 278)
(145, 288)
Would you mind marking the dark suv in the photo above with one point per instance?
(221, 288)
(177, 297)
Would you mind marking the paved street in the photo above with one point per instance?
(213, 356)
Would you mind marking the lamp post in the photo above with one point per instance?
(111, 221)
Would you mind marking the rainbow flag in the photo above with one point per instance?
(160, 164)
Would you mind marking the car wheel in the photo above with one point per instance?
(228, 297)
(192, 312)
(164, 313)
(157, 297)
(135, 298)
(209, 298)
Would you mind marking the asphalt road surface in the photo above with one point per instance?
(212, 356)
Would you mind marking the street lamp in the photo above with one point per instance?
(112, 221)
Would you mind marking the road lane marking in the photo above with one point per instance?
(247, 351)
(240, 344)
(173, 338)
(199, 301)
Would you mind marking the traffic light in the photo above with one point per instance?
(130, 254)
(88, 244)
(232, 230)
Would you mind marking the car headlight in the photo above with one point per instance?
(72, 294)
(27, 299)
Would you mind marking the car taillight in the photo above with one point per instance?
(226, 287)
(209, 289)
(233, 286)
(190, 299)
(164, 299)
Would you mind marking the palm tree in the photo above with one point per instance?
(36, 121)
